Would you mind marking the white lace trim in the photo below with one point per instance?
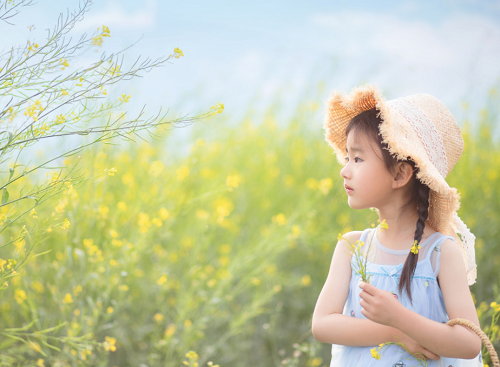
(468, 253)
(426, 131)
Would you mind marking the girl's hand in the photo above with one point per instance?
(379, 306)
(415, 347)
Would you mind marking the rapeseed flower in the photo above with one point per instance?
(20, 296)
(67, 298)
(415, 247)
(280, 219)
(65, 224)
(384, 225)
(375, 353)
(325, 185)
(306, 280)
(124, 98)
(64, 63)
(109, 344)
(170, 330)
(161, 280)
(178, 52)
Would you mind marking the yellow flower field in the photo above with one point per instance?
(212, 257)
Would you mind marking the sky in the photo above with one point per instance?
(247, 53)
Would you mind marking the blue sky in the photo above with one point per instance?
(237, 52)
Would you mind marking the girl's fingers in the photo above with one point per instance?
(366, 296)
(429, 355)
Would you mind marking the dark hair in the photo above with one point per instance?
(368, 123)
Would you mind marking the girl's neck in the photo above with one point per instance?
(401, 232)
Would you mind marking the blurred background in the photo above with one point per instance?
(243, 54)
(217, 238)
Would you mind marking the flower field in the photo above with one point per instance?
(215, 257)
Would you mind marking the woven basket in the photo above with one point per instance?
(469, 325)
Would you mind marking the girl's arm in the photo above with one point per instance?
(329, 325)
(447, 341)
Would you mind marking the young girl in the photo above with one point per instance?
(396, 155)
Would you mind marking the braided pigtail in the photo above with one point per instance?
(422, 192)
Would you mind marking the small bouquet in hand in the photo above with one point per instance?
(359, 257)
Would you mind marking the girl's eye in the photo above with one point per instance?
(347, 159)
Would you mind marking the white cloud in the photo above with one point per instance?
(115, 16)
(456, 57)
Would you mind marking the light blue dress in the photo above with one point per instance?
(385, 265)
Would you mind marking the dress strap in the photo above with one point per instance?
(436, 245)
(364, 234)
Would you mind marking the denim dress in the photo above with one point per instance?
(385, 266)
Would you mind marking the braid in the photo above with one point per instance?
(422, 191)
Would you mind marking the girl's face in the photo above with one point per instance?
(365, 172)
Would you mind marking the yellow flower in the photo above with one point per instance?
(67, 298)
(255, 281)
(415, 247)
(109, 344)
(360, 243)
(20, 295)
(161, 280)
(64, 93)
(124, 98)
(64, 63)
(112, 171)
(158, 317)
(182, 172)
(375, 353)
(60, 119)
(384, 225)
(325, 185)
(163, 213)
(65, 224)
(178, 52)
(280, 219)
(40, 363)
(232, 181)
(77, 290)
(170, 330)
(105, 31)
(306, 280)
(110, 309)
(218, 108)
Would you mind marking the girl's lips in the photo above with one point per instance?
(349, 190)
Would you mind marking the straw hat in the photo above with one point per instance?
(420, 127)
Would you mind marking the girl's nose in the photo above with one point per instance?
(343, 172)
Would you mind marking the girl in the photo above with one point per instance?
(396, 155)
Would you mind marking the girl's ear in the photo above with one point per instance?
(404, 172)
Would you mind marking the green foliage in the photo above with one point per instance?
(222, 251)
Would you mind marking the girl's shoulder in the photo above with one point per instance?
(351, 237)
(348, 239)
